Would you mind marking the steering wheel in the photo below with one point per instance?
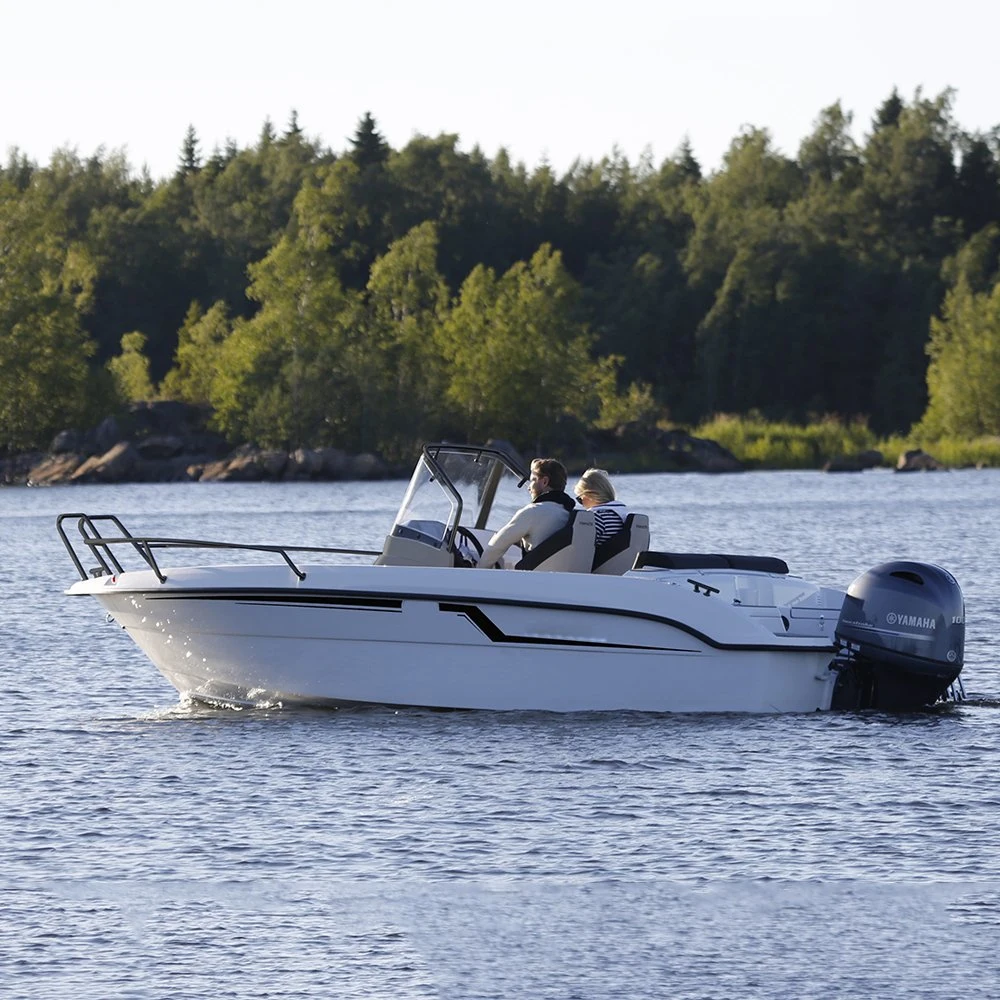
(468, 536)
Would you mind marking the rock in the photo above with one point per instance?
(272, 463)
(246, 465)
(697, 454)
(17, 468)
(917, 460)
(301, 464)
(241, 469)
(107, 434)
(334, 463)
(211, 471)
(119, 464)
(54, 469)
(316, 463)
(871, 459)
(160, 446)
(658, 450)
(169, 470)
(167, 441)
(854, 463)
(67, 442)
(165, 416)
(367, 466)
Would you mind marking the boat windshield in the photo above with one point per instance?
(459, 485)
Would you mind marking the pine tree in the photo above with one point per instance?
(370, 149)
(190, 162)
(888, 114)
(293, 130)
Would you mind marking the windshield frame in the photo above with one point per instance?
(432, 466)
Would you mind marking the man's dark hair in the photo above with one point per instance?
(552, 468)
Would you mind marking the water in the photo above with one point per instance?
(154, 849)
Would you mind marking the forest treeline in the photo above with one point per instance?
(373, 298)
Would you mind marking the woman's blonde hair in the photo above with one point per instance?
(596, 483)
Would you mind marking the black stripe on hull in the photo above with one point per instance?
(296, 599)
(494, 633)
(346, 600)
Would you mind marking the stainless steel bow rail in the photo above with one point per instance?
(101, 547)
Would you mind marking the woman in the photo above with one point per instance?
(595, 492)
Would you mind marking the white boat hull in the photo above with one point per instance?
(506, 641)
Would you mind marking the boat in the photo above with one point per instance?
(566, 627)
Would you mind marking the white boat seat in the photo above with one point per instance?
(616, 555)
(569, 550)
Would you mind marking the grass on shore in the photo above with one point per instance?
(761, 444)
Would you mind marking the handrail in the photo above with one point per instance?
(101, 546)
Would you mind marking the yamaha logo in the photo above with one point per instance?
(912, 621)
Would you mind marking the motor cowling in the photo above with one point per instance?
(902, 630)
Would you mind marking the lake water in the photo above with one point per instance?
(153, 849)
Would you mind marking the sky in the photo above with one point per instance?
(549, 80)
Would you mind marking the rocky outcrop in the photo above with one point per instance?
(169, 442)
(665, 451)
(697, 454)
(248, 464)
(14, 470)
(871, 459)
(918, 460)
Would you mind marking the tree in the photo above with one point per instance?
(45, 286)
(267, 134)
(963, 378)
(130, 369)
(830, 154)
(887, 115)
(190, 160)
(293, 130)
(284, 377)
(519, 354)
(636, 294)
(406, 301)
(979, 182)
(346, 212)
(908, 190)
(369, 149)
(907, 220)
(431, 180)
(756, 180)
(197, 359)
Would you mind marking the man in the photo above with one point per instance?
(544, 516)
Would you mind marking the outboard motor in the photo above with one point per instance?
(902, 638)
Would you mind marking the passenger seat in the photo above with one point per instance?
(616, 555)
(569, 550)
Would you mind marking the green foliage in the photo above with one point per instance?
(784, 286)
(197, 359)
(281, 375)
(766, 445)
(979, 452)
(405, 387)
(780, 445)
(518, 354)
(45, 285)
(636, 405)
(130, 369)
(190, 159)
(963, 379)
